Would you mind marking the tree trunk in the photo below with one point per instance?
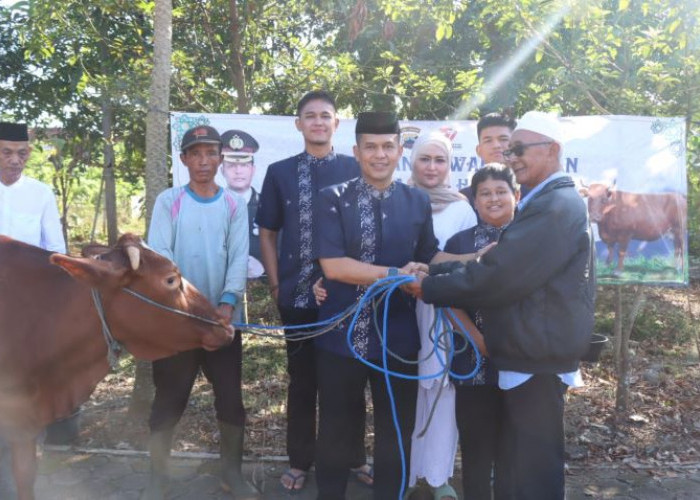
(237, 59)
(622, 393)
(617, 328)
(108, 173)
(156, 165)
(61, 182)
(157, 143)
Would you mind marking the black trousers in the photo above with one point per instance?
(479, 411)
(302, 396)
(341, 384)
(174, 377)
(302, 391)
(535, 437)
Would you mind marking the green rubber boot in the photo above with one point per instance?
(232, 479)
(159, 448)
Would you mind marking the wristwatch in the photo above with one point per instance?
(392, 271)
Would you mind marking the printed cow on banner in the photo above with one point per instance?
(623, 216)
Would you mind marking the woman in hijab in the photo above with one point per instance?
(434, 441)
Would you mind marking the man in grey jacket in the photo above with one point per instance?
(536, 290)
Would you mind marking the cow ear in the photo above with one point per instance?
(90, 271)
(583, 192)
(94, 250)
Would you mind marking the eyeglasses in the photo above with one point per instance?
(519, 149)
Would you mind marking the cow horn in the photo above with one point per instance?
(134, 257)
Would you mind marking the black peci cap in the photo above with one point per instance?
(377, 122)
(16, 132)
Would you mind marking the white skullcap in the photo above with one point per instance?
(546, 124)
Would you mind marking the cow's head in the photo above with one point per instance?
(600, 200)
(147, 331)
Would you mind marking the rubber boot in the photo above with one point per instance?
(8, 489)
(232, 479)
(159, 448)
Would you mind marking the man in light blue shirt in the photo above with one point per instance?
(203, 228)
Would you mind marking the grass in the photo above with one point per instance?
(656, 270)
(264, 373)
(664, 315)
(663, 333)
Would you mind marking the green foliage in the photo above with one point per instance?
(448, 58)
(78, 188)
(660, 319)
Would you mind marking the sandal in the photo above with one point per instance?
(297, 481)
(364, 475)
(445, 492)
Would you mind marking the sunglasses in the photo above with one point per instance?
(519, 149)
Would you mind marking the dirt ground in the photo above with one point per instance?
(661, 430)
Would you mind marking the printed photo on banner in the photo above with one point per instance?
(631, 172)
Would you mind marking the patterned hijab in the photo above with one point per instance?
(440, 196)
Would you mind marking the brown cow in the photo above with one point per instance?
(52, 349)
(623, 216)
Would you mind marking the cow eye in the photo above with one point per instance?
(173, 281)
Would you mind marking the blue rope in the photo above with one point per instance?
(307, 326)
(383, 290)
(389, 285)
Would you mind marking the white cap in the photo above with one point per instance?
(547, 124)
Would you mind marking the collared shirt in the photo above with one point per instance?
(252, 198)
(281, 208)
(28, 213)
(207, 238)
(531, 194)
(510, 380)
(386, 228)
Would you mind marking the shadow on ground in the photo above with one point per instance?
(68, 475)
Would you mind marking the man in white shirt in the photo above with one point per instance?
(28, 210)
(28, 213)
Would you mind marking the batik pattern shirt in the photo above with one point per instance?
(368, 253)
(306, 218)
(470, 241)
(389, 228)
(288, 205)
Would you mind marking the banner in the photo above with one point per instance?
(631, 170)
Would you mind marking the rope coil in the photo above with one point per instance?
(443, 348)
